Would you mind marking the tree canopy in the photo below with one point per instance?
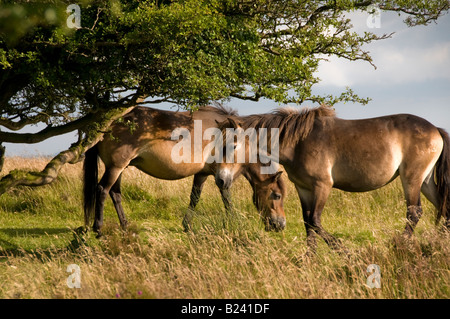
(124, 53)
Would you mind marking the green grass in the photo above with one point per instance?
(224, 256)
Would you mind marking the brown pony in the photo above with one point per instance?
(144, 138)
(320, 151)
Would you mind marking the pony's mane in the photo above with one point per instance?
(220, 109)
(294, 124)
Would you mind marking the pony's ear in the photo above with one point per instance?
(233, 123)
(277, 176)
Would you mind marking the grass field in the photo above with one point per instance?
(225, 256)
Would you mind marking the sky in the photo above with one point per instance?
(412, 76)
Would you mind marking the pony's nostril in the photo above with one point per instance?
(227, 184)
(220, 182)
(282, 223)
(275, 224)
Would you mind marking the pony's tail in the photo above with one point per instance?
(443, 177)
(90, 181)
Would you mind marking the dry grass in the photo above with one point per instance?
(223, 257)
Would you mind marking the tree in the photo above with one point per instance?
(125, 53)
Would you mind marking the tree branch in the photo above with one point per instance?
(72, 155)
(254, 98)
(15, 126)
(49, 131)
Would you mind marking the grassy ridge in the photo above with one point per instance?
(223, 257)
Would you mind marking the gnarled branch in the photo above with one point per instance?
(72, 155)
(49, 131)
(18, 125)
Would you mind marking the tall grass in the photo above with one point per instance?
(225, 256)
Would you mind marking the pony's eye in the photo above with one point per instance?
(275, 196)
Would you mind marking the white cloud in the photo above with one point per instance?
(412, 55)
(335, 72)
(413, 64)
(395, 65)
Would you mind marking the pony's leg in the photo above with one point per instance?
(104, 186)
(411, 188)
(313, 203)
(116, 196)
(197, 186)
(429, 189)
(306, 201)
(226, 198)
(413, 214)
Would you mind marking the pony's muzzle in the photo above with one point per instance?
(224, 179)
(275, 223)
(222, 183)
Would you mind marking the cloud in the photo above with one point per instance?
(395, 65)
(412, 55)
(413, 64)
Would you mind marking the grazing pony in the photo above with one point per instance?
(320, 151)
(144, 138)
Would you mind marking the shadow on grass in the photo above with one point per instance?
(14, 250)
(33, 232)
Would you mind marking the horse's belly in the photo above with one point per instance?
(361, 180)
(159, 164)
(366, 167)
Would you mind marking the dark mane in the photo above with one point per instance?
(294, 124)
(220, 109)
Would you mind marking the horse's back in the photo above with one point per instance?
(134, 133)
(366, 154)
(143, 138)
(404, 132)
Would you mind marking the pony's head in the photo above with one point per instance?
(268, 189)
(269, 193)
(228, 167)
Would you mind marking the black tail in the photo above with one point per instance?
(90, 182)
(443, 177)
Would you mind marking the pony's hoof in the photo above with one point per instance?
(187, 227)
(82, 230)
